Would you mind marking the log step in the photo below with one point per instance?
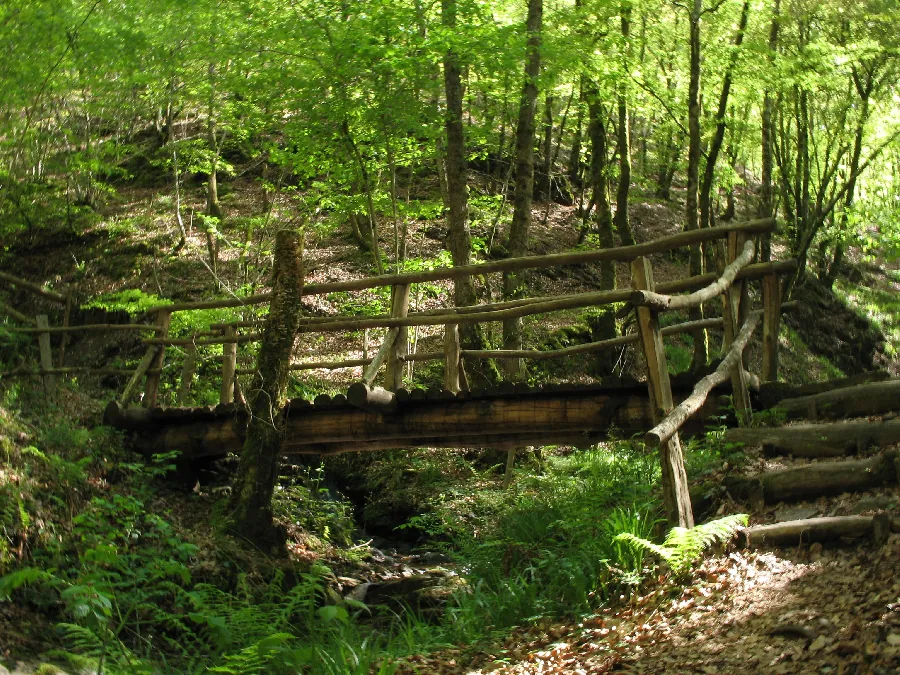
(840, 529)
(819, 440)
(816, 480)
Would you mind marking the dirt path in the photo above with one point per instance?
(810, 611)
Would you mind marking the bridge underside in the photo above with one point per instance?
(508, 417)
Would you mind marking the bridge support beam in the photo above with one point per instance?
(674, 477)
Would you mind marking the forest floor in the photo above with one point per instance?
(810, 609)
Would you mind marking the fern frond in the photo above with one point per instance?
(682, 546)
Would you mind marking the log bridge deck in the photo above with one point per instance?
(497, 417)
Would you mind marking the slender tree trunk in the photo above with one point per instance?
(574, 171)
(459, 238)
(547, 148)
(517, 244)
(622, 223)
(604, 326)
(718, 138)
(864, 89)
(251, 503)
(766, 194)
(692, 208)
(213, 209)
(370, 204)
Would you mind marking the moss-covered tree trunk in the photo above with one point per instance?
(251, 503)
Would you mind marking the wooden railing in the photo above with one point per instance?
(393, 352)
(645, 298)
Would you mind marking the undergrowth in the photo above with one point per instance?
(86, 546)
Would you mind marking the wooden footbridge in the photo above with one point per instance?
(370, 417)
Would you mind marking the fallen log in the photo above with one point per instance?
(815, 480)
(873, 398)
(810, 530)
(819, 440)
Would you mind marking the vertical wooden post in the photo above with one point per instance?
(771, 293)
(674, 477)
(65, 336)
(229, 365)
(151, 391)
(46, 357)
(393, 375)
(187, 375)
(732, 302)
(451, 357)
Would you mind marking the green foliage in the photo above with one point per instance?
(306, 502)
(550, 547)
(683, 546)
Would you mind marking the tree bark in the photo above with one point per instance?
(623, 226)
(810, 530)
(715, 145)
(459, 238)
(692, 207)
(864, 399)
(251, 504)
(766, 194)
(517, 244)
(599, 151)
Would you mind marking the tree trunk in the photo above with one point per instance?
(715, 145)
(547, 149)
(692, 207)
(864, 399)
(835, 528)
(459, 238)
(574, 171)
(604, 327)
(623, 226)
(517, 244)
(251, 504)
(766, 194)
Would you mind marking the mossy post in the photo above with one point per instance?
(251, 503)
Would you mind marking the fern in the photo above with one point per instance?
(682, 546)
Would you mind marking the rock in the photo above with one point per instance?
(874, 503)
(798, 513)
(420, 592)
(359, 593)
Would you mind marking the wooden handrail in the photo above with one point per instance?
(478, 313)
(88, 328)
(15, 314)
(661, 302)
(33, 287)
(673, 421)
(619, 254)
